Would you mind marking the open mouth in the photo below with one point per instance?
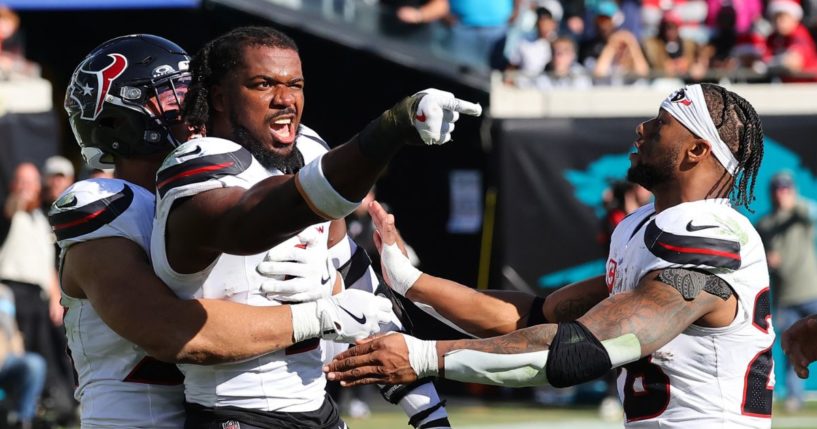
(283, 130)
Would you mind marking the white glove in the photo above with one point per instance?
(298, 273)
(436, 113)
(348, 316)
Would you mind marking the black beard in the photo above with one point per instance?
(648, 176)
(288, 164)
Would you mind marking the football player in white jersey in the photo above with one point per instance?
(687, 317)
(222, 206)
(123, 102)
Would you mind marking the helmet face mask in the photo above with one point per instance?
(125, 98)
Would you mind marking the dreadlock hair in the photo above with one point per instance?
(217, 59)
(739, 127)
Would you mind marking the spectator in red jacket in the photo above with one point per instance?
(790, 48)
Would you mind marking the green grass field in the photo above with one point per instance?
(516, 416)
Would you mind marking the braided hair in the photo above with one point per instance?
(739, 127)
(217, 59)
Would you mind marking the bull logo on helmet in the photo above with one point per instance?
(90, 87)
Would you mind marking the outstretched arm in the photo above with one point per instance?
(621, 329)
(250, 221)
(114, 274)
(481, 313)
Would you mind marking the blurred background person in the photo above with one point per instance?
(22, 374)
(790, 48)
(533, 53)
(12, 46)
(564, 70)
(413, 20)
(27, 267)
(788, 236)
(668, 53)
(613, 55)
(477, 29)
(58, 174)
(746, 12)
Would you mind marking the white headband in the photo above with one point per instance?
(688, 106)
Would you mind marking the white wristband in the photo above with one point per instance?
(305, 322)
(319, 194)
(422, 356)
(399, 269)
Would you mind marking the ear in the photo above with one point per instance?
(217, 98)
(698, 150)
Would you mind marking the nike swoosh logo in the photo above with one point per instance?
(325, 280)
(420, 117)
(192, 152)
(693, 228)
(70, 203)
(361, 320)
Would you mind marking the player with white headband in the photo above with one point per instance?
(683, 308)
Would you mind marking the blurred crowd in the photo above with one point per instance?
(36, 375)
(580, 43)
(13, 62)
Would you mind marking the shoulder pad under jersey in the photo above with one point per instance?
(199, 161)
(701, 233)
(99, 208)
(309, 136)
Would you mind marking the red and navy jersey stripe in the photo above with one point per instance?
(202, 169)
(692, 250)
(90, 217)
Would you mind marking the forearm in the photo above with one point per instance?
(574, 300)
(370, 150)
(481, 314)
(228, 332)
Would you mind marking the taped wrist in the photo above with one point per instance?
(305, 323)
(422, 356)
(397, 266)
(535, 315)
(575, 356)
(319, 194)
(384, 136)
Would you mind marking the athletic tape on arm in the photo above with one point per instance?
(319, 194)
(567, 363)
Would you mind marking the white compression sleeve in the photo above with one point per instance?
(511, 370)
(525, 369)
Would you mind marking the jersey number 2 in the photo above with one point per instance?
(757, 394)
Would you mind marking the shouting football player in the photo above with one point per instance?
(687, 317)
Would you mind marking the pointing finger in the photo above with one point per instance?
(462, 106)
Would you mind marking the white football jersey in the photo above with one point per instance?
(119, 386)
(705, 377)
(288, 380)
